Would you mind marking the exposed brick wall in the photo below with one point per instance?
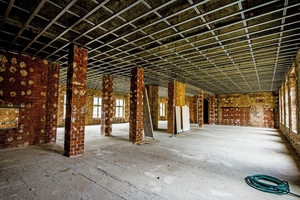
(211, 109)
(235, 116)
(152, 92)
(89, 103)
(269, 117)
(293, 100)
(200, 108)
(216, 110)
(289, 96)
(76, 102)
(107, 105)
(24, 84)
(136, 105)
(52, 102)
(255, 102)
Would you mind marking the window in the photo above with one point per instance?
(162, 109)
(65, 103)
(97, 107)
(120, 107)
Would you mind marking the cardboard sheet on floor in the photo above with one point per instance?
(177, 119)
(147, 121)
(185, 119)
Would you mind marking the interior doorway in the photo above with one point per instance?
(205, 114)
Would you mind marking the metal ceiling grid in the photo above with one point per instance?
(216, 46)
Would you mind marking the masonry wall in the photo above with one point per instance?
(252, 107)
(289, 104)
(23, 84)
(89, 100)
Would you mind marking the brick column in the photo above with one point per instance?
(192, 108)
(136, 105)
(211, 109)
(153, 103)
(171, 107)
(201, 109)
(52, 102)
(76, 100)
(107, 105)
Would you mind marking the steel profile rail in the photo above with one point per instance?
(219, 51)
(191, 36)
(203, 33)
(166, 37)
(9, 6)
(72, 26)
(27, 22)
(98, 25)
(50, 24)
(286, 2)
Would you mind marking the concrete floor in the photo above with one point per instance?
(210, 163)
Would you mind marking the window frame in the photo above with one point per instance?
(162, 109)
(119, 107)
(98, 107)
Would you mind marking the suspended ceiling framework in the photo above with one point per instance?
(218, 46)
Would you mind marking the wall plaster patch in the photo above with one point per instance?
(22, 65)
(3, 58)
(12, 79)
(13, 61)
(12, 69)
(23, 72)
(2, 68)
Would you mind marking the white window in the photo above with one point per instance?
(97, 107)
(65, 105)
(162, 109)
(120, 104)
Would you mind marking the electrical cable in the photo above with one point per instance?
(280, 187)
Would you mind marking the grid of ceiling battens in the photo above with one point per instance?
(217, 46)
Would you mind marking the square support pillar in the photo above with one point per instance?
(211, 109)
(176, 97)
(52, 102)
(136, 105)
(171, 107)
(201, 109)
(76, 102)
(107, 105)
(153, 103)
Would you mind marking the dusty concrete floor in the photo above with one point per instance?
(210, 163)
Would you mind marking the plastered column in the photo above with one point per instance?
(76, 102)
(153, 103)
(107, 105)
(171, 107)
(200, 107)
(136, 105)
(176, 97)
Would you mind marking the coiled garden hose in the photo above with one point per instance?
(278, 187)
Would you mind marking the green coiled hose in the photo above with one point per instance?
(278, 187)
